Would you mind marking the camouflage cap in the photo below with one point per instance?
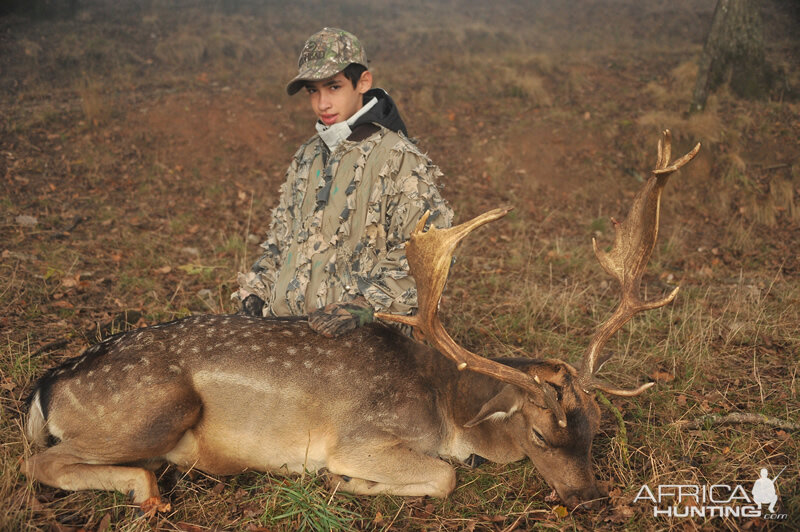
(325, 54)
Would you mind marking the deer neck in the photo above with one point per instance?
(493, 439)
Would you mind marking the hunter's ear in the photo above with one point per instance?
(501, 406)
(364, 82)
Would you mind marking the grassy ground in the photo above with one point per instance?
(142, 145)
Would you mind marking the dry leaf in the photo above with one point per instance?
(662, 376)
(105, 523)
(560, 511)
(188, 527)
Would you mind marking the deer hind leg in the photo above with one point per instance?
(60, 467)
(396, 470)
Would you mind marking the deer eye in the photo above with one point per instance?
(537, 438)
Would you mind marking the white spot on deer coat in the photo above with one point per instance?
(202, 378)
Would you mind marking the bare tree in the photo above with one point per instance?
(734, 53)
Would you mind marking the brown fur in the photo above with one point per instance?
(225, 394)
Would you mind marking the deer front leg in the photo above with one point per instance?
(60, 467)
(396, 470)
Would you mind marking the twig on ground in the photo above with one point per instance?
(52, 346)
(734, 418)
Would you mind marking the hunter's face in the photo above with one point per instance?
(335, 99)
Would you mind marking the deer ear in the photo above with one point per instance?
(501, 406)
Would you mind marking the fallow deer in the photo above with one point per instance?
(375, 409)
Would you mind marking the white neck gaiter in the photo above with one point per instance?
(335, 133)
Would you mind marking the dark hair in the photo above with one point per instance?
(353, 72)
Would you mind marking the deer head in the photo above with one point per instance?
(551, 398)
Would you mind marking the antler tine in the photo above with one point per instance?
(429, 256)
(634, 241)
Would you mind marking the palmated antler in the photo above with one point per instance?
(429, 256)
(634, 241)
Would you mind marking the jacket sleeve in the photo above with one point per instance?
(264, 272)
(412, 191)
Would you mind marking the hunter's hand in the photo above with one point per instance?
(337, 319)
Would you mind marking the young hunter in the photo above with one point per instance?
(353, 194)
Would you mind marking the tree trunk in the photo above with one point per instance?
(734, 53)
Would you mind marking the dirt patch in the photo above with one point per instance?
(211, 133)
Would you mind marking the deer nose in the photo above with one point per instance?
(584, 498)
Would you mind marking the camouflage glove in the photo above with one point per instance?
(338, 318)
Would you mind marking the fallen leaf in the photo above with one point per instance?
(662, 376)
(105, 523)
(255, 528)
(189, 527)
(163, 270)
(560, 511)
(620, 514)
(26, 221)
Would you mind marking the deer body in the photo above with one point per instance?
(225, 394)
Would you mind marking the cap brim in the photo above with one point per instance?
(295, 85)
(315, 72)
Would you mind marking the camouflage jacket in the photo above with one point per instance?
(341, 224)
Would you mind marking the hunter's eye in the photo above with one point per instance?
(537, 438)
